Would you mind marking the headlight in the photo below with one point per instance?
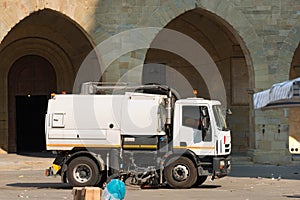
(222, 162)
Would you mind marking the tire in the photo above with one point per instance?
(180, 173)
(200, 180)
(83, 171)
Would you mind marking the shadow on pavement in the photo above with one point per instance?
(266, 171)
(45, 154)
(168, 187)
(207, 186)
(292, 196)
(41, 185)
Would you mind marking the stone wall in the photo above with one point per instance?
(268, 32)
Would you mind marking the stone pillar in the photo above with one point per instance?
(271, 131)
(3, 117)
(3, 133)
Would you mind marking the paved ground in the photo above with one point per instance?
(22, 177)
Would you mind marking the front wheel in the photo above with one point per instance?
(180, 173)
(200, 180)
(83, 171)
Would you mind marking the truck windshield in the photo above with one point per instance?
(220, 118)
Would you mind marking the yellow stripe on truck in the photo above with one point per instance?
(139, 146)
(193, 147)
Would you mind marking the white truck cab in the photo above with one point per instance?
(200, 126)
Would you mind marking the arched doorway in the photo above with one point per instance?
(294, 118)
(39, 43)
(31, 80)
(222, 45)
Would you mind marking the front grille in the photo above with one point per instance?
(227, 148)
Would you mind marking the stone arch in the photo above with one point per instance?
(40, 34)
(44, 48)
(10, 18)
(289, 54)
(228, 52)
(295, 64)
(236, 22)
(243, 31)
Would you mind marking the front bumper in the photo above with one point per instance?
(222, 166)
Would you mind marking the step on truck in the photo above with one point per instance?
(142, 134)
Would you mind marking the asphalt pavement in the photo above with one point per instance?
(26, 161)
(240, 166)
(22, 177)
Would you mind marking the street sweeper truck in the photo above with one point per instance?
(144, 134)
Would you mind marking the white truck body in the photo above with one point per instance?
(100, 120)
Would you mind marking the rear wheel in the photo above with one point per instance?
(83, 171)
(180, 173)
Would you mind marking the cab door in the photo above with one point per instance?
(195, 129)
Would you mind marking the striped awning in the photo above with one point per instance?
(280, 95)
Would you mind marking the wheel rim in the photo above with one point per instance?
(180, 172)
(82, 173)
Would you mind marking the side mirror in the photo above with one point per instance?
(204, 112)
(206, 123)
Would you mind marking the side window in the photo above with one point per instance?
(197, 117)
(191, 116)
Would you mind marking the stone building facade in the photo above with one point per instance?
(252, 44)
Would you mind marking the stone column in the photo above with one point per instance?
(271, 132)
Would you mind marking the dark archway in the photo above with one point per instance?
(294, 118)
(31, 80)
(223, 46)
